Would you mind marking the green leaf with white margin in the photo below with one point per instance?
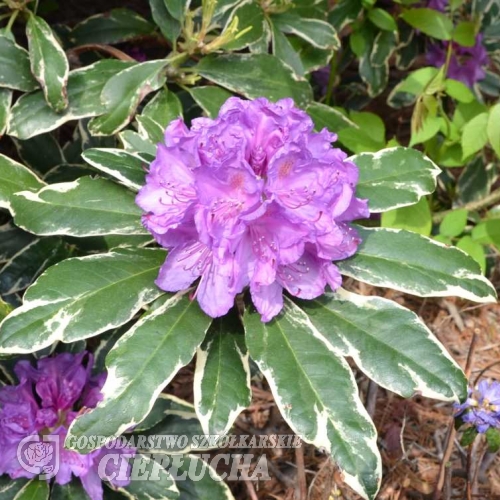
(208, 483)
(255, 75)
(164, 107)
(70, 491)
(493, 128)
(150, 481)
(251, 17)
(222, 376)
(283, 50)
(36, 489)
(321, 404)
(475, 135)
(411, 263)
(141, 363)
(9, 488)
(118, 25)
(394, 177)
(316, 32)
(124, 91)
(48, 62)
(82, 297)
(134, 143)
(72, 208)
(210, 98)
(31, 115)
(169, 26)
(128, 168)
(150, 129)
(15, 71)
(389, 343)
(15, 177)
(5, 103)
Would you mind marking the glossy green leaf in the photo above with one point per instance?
(316, 32)
(283, 50)
(222, 377)
(475, 181)
(474, 249)
(49, 64)
(71, 208)
(36, 489)
(382, 19)
(15, 177)
(416, 218)
(142, 362)
(454, 223)
(9, 488)
(82, 297)
(41, 153)
(128, 168)
(254, 75)
(487, 232)
(389, 343)
(164, 107)
(15, 71)
(429, 21)
(332, 118)
(70, 491)
(321, 404)
(394, 177)
(210, 98)
(411, 263)
(475, 135)
(123, 92)
(169, 26)
(465, 33)
(383, 47)
(458, 91)
(31, 115)
(493, 128)
(5, 309)
(118, 25)
(210, 485)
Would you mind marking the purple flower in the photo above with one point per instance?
(466, 64)
(44, 403)
(482, 407)
(253, 198)
(439, 5)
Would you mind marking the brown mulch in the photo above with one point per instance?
(412, 433)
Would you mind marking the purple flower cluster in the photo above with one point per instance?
(43, 403)
(439, 5)
(253, 198)
(482, 407)
(466, 64)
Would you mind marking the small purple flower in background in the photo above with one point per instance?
(253, 198)
(138, 54)
(322, 77)
(482, 407)
(466, 64)
(439, 5)
(43, 403)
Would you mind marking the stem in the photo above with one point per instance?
(449, 53)
(473, 206)
(331, 79)
(11, 21)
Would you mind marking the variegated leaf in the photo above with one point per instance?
(141, 363)
(394, 177)
(128, 168)
(316, 393)
(48, 62)
(407, 261)
(72, 208)
(15, 177)
(5, 103)
(15, 72)
(210, 98)
(389, 343)
(31, 115)
(82, 297)
(222, 377)
(124, 91)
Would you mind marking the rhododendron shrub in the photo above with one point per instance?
(202, 184)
